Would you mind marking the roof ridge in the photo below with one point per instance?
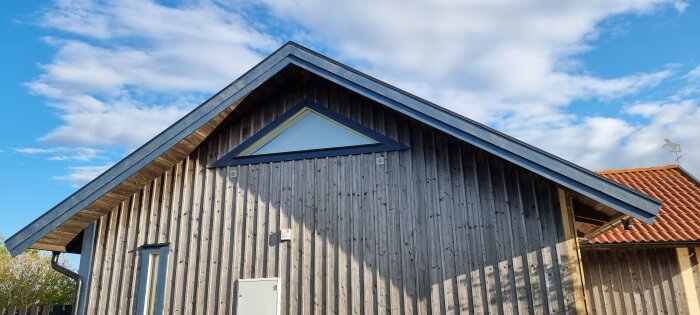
(638, 169)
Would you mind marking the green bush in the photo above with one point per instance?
(29, 280)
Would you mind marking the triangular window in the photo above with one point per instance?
(308, 131)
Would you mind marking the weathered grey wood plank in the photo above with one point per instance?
(221, 278)
(490, 235)
(119, 246)
(394, 244)
(369, 245)
(93, 297)
(308, 232)
(297, 193)
(421, 234)
(173, 235)
(534, 256)
(346, 248)
(194, 231)
(202, 206)
(319, 234)
(285, 223)
(140, 240)
(546, 202)
(107, 267)
(273, 219)
(213, 236)
(461, 233)
(332, 242)
(408, 219)
(610, 275)
(153, 213)
(476, 256)
(181, 259)
(506, 253)
(356, 258)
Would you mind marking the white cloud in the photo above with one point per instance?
(513, 65)
(63, 153)
(692, 84)
(137, 66)
(80, 175)
(694, 74)
(129, 69)
(676, 121)
(119, 124)
(506, 53)
(605, 143)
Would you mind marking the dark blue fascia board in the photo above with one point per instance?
(560, 171)
(383, 144)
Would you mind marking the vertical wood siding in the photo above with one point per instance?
(441, 228)
(635, 281)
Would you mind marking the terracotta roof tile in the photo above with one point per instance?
(679, 217)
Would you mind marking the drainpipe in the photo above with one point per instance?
(70, 274)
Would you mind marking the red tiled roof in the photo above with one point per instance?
(679, 217)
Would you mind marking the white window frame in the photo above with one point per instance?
(154, 262)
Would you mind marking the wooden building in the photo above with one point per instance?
(306, 187)
(648, 268)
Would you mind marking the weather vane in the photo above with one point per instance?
(673, 147)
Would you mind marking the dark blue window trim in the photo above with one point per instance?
(383, 144)
(146, 251)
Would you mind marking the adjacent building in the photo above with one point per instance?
(639, 268)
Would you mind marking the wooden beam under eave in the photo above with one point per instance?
(51, 247)
(602, 228)
(688, 279)
(573, 254)
(589, 215)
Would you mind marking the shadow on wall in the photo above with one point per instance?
(438, 228)
(441, 227)
(640, 281)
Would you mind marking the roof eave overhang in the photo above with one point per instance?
(562, 172)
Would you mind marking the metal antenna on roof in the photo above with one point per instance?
(673, 147)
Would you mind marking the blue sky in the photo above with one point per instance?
(600, 83)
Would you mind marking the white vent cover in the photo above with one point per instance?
(258, 296)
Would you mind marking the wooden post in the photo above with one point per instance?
(574, 256)
(686, 268)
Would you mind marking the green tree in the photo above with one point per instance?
(28, 279)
